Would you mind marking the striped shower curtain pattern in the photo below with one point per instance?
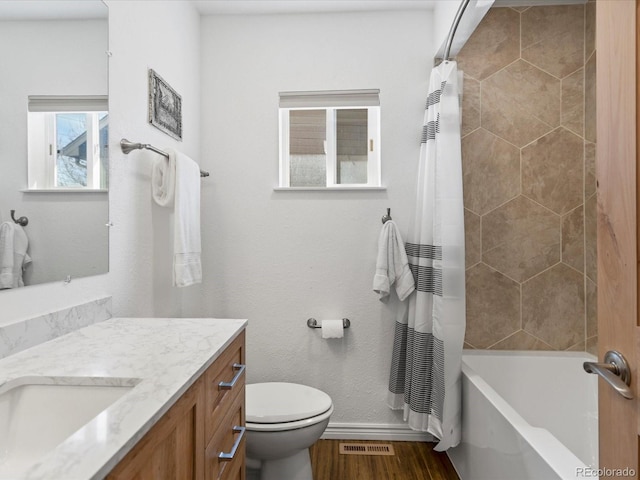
(425, 379)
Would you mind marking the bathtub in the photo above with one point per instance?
(527, 415)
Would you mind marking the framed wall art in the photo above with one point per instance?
(165, 106)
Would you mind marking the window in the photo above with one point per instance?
(68, 141)
(330, 139)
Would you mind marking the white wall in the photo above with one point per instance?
(279, 258)
(163, 35)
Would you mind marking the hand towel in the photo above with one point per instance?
(13, 255)
(176, 182)
(392, 265)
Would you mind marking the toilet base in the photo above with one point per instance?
(294, 467)
(252, 474)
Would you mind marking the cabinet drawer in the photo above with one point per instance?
(219, 399)
(224, 440)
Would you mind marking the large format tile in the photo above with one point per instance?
(472, 247)
(552, 169)
(493, 45)
(520, 103)
(534, 216)
(493, 306)
(470, 105)
(521, 239)
(591, 237)
(573, 239)
(589, 169)
(521, 340)
(590, 130)
(553, 38)
(592, 309)
(572, 116)
(589, 30)
(577, 347)
(553, 307)
(491, 171)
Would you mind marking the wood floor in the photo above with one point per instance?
(412, 461)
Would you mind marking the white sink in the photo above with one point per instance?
(38, 413)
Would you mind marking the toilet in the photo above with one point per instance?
(282, 421)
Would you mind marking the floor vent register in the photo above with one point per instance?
(366, 449)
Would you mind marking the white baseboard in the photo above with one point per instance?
(374, 431)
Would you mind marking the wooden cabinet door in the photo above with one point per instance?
(173, 448)
(201, 421)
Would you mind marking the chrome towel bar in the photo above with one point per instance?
(313, 323)
(128, 147)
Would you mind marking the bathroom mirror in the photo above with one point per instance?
(56, 50)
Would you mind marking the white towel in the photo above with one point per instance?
(392, 265)
(176, 181)
(13, 255)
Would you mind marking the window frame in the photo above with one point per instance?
(42, 172)
(331, 102)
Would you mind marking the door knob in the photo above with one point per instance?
(614, 370)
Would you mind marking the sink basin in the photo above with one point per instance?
(37, 414)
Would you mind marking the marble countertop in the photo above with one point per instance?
(162, 356)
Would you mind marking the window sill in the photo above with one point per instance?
(328, 189)
(64, 190)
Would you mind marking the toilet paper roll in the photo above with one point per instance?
(332, 329)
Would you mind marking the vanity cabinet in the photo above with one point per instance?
(206, 421)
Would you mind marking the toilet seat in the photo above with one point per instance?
(277, 406)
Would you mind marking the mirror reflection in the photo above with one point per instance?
(68, 140)
(53, 140)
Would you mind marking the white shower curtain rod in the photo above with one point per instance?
(454, 27)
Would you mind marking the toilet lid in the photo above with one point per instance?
(278, 402)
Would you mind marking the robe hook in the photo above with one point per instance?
(387, 217)
(22, 221)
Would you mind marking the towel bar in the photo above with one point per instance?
(313, 323)
(128, 146)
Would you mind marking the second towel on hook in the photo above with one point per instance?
(392, 265)
(176, 182)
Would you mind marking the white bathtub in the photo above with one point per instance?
(526, 415)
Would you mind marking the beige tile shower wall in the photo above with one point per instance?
(528, 153)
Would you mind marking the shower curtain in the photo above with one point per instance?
(425, 378)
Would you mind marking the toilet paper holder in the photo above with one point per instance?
(313, 323)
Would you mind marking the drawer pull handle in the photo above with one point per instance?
(227, 457)
(229, 385)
